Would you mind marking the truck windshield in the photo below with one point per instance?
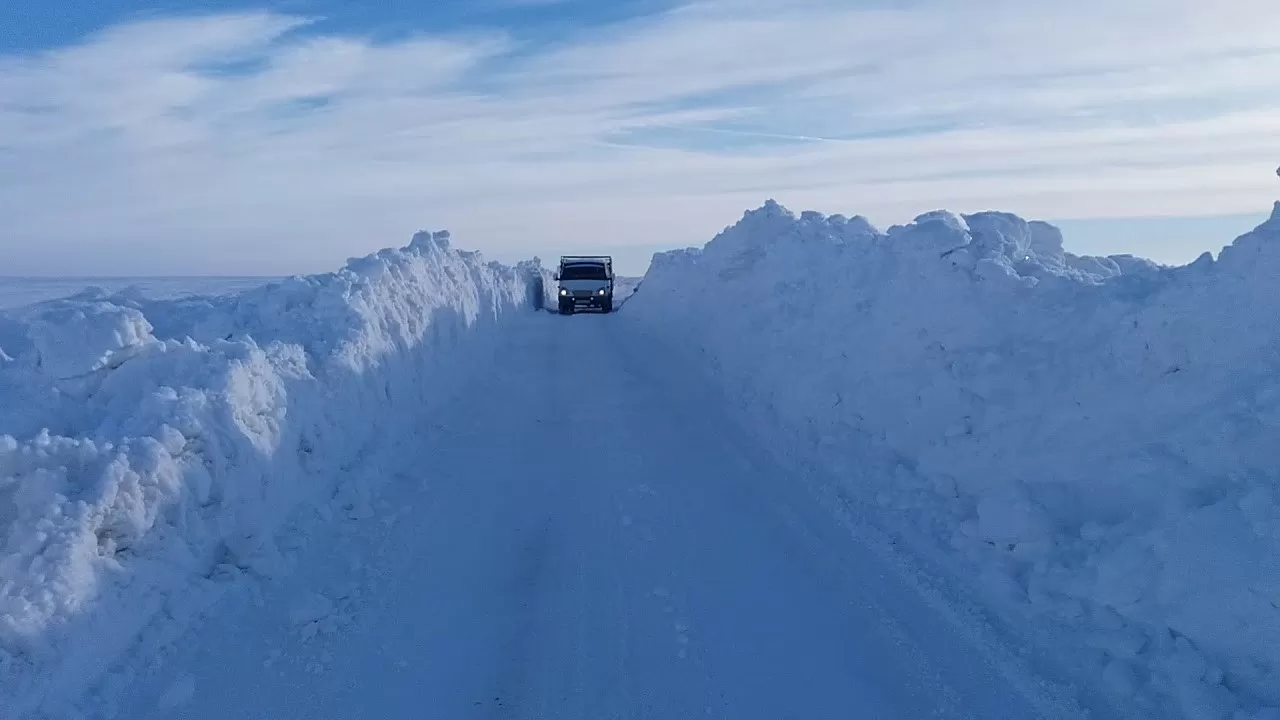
(583, 271)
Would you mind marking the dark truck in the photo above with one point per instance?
(585, 281)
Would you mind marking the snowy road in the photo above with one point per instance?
(589, 537)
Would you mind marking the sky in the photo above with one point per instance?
(241, 138)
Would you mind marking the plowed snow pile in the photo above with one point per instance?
(1095, 439)
(152, 452)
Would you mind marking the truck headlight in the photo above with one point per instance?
(602, 292)
(563, 292)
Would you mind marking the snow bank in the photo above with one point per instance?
(151, 451)
(1095, 438)
(623, 289)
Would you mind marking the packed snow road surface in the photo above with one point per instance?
(589, 536)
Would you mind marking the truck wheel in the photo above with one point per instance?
(607, 305)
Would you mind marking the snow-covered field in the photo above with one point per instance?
(1084, 446)
(18, 291)
(1095, 442)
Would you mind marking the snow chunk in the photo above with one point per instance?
(1046, 240)
(72, 338)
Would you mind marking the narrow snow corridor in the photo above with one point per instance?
(589, 536)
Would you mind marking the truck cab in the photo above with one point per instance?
(585, 281)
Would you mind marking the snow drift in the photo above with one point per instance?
(151, 452)
(1095, 438)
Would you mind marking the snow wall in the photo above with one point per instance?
(1094, 439)
(151, 453)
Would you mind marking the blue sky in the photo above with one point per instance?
(242, 138)
(38, 24)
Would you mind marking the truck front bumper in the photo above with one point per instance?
(584, 299)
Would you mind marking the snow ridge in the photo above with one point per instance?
(151, 451)
(1091, 437)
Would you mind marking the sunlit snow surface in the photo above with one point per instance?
(1087, 446)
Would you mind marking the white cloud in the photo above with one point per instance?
(247, 142)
